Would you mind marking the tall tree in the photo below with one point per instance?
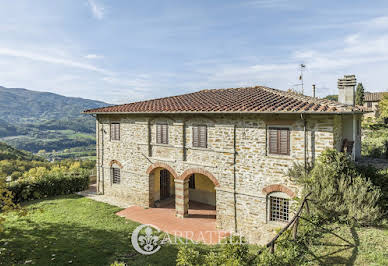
(383, 106)
(360, 94)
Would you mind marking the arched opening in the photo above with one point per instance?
(196, 194)
(161, 186)
(202, 197)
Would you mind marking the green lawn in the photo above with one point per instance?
(76, 229)
(367, 246)
(86, 232)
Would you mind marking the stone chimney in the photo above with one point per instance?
(313, 90)
(346, 89)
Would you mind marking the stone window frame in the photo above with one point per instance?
(279, 155)
(277, 194)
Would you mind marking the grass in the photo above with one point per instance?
(79, 230)
(363, 246)
(76, 230)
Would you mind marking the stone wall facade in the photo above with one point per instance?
(236, 160)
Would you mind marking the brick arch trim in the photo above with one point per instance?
(279, 188)
(115, 162)
(186, 174)
(162, 165)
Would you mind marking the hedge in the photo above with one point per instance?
(49, 185)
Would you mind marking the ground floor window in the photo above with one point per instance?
(279, 209)
(115, 173)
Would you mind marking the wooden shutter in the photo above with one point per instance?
(284, 141)
(273, 141)
(203, 136)
(279, 141)
(200, 136)
(195, 136)
(115, 131)
(162, 133)
(165, 134)
(158, 133)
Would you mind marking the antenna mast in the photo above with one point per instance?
(302, 67)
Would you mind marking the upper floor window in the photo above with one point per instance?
(115, 174)
(115, 131)
(279, 141)
(369, 104)
(200, 136)
(279, 209)
(162, 133)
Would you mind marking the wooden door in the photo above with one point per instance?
(164, 184)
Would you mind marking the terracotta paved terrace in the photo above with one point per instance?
(199, 226)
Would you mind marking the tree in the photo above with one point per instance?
(339, 191)
(360, 94)
(7, 204)
(333, 97)
(383, 107)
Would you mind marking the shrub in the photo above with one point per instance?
(233, 252)
(41, 182)
(340, 191)
(289, 251)
(188, 256)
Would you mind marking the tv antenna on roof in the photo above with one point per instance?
(302, 68)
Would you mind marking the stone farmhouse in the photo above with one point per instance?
(224, 148)
(371, 102)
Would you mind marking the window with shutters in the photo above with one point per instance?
(115, 175)
(200, 136)
(279, 141)
(162, 133)
(192, 181)
(115, 131)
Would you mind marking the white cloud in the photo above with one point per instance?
(51, 59)
(273, 4)
(97, 10)
(93, 56)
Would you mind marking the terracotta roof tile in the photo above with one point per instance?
(374, 96)
(252, 99)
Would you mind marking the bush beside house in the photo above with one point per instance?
(42, 182)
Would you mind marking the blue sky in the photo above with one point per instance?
(124, 51)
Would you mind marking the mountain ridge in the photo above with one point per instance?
(20, 105)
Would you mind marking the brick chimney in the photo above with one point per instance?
(346, 89)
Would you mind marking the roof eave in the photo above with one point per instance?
(231, 112)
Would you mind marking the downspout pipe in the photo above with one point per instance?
(303, 117)
(234, 178)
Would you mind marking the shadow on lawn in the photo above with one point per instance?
(333, 256)
(48, 243)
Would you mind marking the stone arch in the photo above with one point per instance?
(279, 188)
(162, 165)
(115, 162)
(186, 174)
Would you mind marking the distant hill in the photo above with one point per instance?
(9, 153)
(22, 105)
(42, 121)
